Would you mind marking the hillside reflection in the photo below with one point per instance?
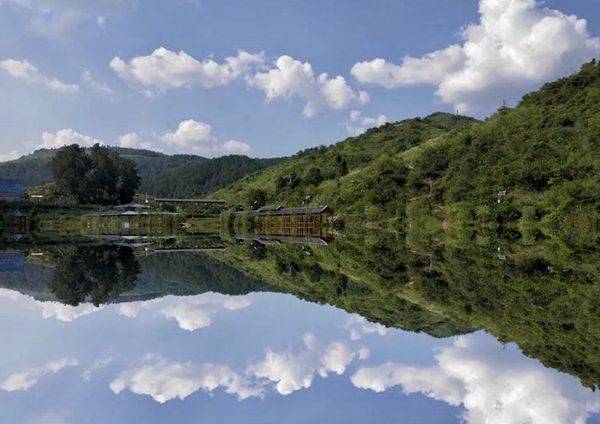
(546, 301)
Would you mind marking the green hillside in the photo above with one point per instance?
(327, 173)
(534, 169)
(495, 224)
(162, 175)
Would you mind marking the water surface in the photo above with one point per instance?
(109, 333)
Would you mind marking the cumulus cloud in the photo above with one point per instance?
(197, 137)
(10, 294)
(12, 155)
(55, 18)
(516, 45)
(294, 79)
(491, 384)
(164, 69)
(358, 124)
(134, 141)
(66, 313)
(25, 71)
(196, 312)
(190, 134)
(163, 380)
(48, 309)
(359, 326)
(190, 312)
(26, 379)
(235, 147)
(294, 371)
(66, 137)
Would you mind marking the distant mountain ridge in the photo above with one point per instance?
(162, 174)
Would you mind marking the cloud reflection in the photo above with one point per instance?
(493, 385)
(24, 380)
(190, 312)
(295, 371)
(163, 380)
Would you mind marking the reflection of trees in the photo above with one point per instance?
(546, 301)
(95, 274)
(360, 275)
(544, 297)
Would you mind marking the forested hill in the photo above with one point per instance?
(534, 169)
(328, 173)
(162, 175)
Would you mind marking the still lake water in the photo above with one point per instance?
(110, 334)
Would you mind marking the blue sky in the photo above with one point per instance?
(398, 59)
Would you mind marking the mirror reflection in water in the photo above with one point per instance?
(218, 324)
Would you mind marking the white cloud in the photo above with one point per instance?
(66, 137)
(96, 85)
(12, 155)
(26, 379)
(49, 309)
(66, 313)
(234, 147)
(10, 294)
(197, 137)
(294, 79)
(359, 326)
(516, 45)
(164, 69)
(25, 71)
(55, 18)
(358, 124)
(164, 380)
(494, 386)
(190, 134)
(294, 371)
(190, 312)
(133, 141)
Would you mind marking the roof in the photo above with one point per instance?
(269, 240)
(165, 200)
(269, 208)
(116, 213)
(300, 210)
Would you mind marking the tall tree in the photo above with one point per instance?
(96, 274)
(100, 177)
(103, 178)
(130, 181)
(70, 167)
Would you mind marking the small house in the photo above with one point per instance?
(11, 189)
(297, 221)
(12, 261)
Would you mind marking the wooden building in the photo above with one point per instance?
(299, 221)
